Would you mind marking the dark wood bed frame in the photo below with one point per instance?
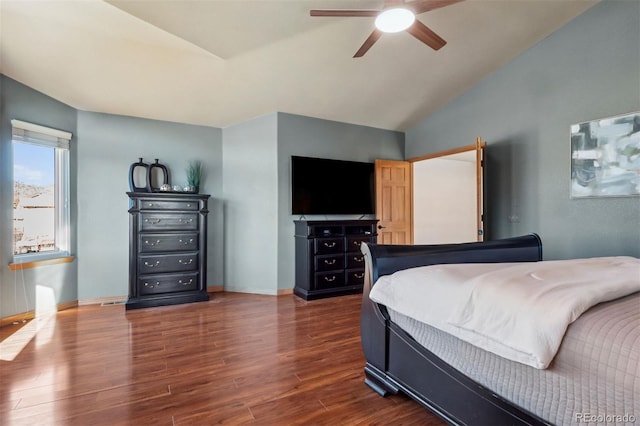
(397, 363)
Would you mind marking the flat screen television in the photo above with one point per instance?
(324, 186)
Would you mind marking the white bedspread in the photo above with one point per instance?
(519, 311)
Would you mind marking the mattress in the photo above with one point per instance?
(519, 311)
(594, 377)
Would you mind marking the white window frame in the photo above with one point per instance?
(24, 132)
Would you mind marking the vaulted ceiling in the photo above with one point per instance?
(221, 62)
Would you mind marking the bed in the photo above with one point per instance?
(593, 378)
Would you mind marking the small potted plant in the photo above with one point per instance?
(194, 173)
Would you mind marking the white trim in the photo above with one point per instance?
(41, 129)
(62, 212)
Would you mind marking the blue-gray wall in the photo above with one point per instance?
(312, 137)
(588, 69)
(102, 149)
(18, 288)
(259, 241)
(107, 146)
(250, 192)
(251, 227)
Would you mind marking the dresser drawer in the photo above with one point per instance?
(329, 279)
(148, 204)
(354, 243)
(152, 264)
(152, 243)
(329, 263)
(168, 283)
(355, 277)
(329, 245)
(168, 221)
(354, 260)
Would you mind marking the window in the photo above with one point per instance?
(40, 191)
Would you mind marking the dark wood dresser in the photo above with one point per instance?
(167, 249)
(328, 257)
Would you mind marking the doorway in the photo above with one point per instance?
(442, 197)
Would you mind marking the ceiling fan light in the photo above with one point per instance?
(395, 20)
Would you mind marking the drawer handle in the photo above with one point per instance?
(151, 286)
(358, 259)
(151, 265)
(152, 244)
(186, 242)
(333, 244)
(150, 204)
(358, 276)
(188, 204)
(329, 262)
(152, 221)
(185, 283)
(185, 221)
(327, 279)
(185, 262)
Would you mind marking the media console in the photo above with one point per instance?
(328, 258)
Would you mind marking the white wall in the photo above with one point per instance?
(250, 190)
(444, 201)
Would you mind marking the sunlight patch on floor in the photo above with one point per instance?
(42, 326)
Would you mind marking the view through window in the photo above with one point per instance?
(34, 201)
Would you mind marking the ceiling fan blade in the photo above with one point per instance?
(421, 6)
(375, 35)
(426, 35)
(345, 12)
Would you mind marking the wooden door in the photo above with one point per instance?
(480, 164)
(393, 202)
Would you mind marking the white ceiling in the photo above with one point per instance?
(221, 62)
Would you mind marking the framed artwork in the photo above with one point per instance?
(605, 157)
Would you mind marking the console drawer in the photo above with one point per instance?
(354, 260)
(152, 264)
(326, 280)
(152, 243)
(167, 283)
(354, 243)
(329, 263)
(355, 277)
(326, 231)
(329, 245)
(168, 221)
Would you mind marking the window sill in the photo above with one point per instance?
(37, 263)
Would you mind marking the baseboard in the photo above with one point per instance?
(111, 300)
(121, 299)
(281, 292)
(29, 315)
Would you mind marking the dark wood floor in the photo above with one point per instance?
(236, 359)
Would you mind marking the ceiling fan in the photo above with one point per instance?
(395, 16)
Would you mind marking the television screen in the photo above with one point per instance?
(323, 186)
